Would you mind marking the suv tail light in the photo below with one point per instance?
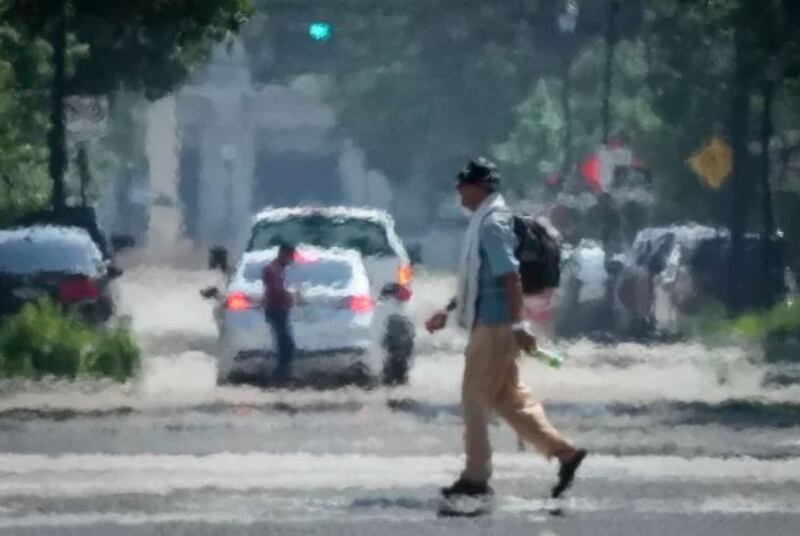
(361, 304)
(403, 293)
(404, 275)
(237, 301)
(304, 258)
(78, 289)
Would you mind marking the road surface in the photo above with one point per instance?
(683, 439)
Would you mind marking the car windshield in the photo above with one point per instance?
(365, 236)
(330, 273)
(25, 255)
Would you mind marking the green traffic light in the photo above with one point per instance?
(320, 31)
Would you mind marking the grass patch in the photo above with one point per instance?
(42, 340)
(784, 318)
(777, 330)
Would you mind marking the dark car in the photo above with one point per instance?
(81, 217)
(62, 263)
(678, 270)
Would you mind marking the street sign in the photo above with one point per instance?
(86, 116)
(713, 163)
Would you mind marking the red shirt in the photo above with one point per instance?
(276, 295)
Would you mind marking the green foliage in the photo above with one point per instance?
(535, 145)
(24, 74)
(41, 340)
(137, 44)
(782, 318)
(422, 85)
(145, 47)
(417, 85)
(115, 355)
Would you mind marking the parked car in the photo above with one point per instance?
(677, 270)
(62, 263)
(335, 321)
(84, 218)
(372, 234)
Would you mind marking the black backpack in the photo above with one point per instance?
(539, 255)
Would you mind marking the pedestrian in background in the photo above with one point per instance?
(278, 303)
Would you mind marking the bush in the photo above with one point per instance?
(42, 340)
(778, 330)
(784, 318)
(115, 355)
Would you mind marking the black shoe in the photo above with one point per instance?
(566, 473)
(466, 488)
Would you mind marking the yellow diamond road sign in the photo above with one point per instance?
(714, 163)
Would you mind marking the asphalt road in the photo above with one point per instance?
(684, 440)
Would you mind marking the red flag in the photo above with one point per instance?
(590, 170)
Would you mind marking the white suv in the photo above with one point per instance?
(372, 234)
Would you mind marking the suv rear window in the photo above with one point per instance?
(27, 256)
(367, 237)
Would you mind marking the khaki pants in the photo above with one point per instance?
(491, 383)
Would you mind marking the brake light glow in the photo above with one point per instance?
(301, 258)
(404, 275)
(361, 304)
(78, 289)
(237, 301)
(403, 293)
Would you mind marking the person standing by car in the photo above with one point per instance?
(490, 305)
(278, 302)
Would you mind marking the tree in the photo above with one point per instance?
(534, 147)
(143, 46)
(422, 85)
(745, 53)
(24, 76)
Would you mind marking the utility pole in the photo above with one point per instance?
(740, 180)
(771, 242)
(608, 211)
(768, 94)
(611, 43)
(57, 134)
(82, 161)
(567, 22)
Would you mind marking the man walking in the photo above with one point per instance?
(489, 304)
(278, 302)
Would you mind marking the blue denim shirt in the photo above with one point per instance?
(496, 249)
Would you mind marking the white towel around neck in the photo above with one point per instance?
(470, 263)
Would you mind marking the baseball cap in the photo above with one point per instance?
(479, 170)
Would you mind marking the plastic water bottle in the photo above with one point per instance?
(551, 359)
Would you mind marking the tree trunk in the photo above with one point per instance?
(57, 137)
(740, 181)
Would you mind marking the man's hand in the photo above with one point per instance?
(525, 340)
(298, 298)
(436, 322)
